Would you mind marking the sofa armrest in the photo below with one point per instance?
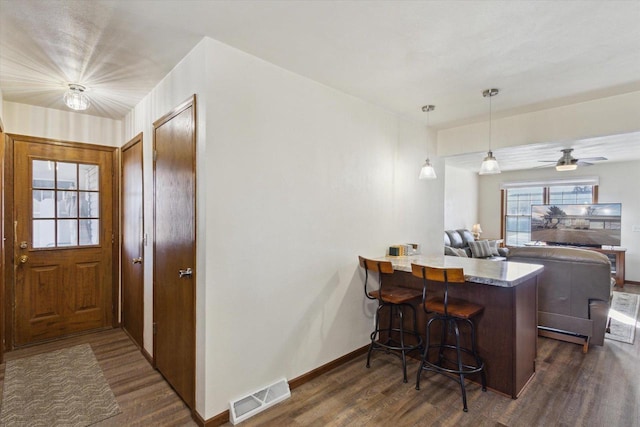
(598, 313)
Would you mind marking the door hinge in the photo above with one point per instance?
(155, 328)
(113, 238)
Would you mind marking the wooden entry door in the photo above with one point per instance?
(132, 270)
(174, 249)
(63, 242)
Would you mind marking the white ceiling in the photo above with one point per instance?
(399, 55)
(615, 148)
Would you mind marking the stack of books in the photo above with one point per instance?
(404, 250)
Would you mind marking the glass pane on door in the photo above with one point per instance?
(44, 233)
(43, 174)
(67, 195)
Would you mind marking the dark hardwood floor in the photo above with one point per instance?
(601, 388)
(145, 398)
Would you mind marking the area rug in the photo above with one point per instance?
(623, 316)
(61, 388)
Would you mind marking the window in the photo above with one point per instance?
(518, 198)
(65, 204)
(518, 213)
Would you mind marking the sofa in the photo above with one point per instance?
(574, 292)
(462, 243)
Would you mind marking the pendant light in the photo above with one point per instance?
(427, 171)
(489, 164)
(75, 98)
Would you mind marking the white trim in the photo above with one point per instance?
(585, 180)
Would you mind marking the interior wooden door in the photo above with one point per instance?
(63, 222)
(132, 272)
(174, 249)
(2, 240)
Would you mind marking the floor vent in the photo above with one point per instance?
(256, 402)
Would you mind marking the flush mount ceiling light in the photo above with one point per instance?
(75, 98)
(427, 171)
(489, 164)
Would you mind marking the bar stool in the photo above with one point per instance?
(449, 311)
(397, 299)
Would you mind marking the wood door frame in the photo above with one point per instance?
(9, 201)
(135, 140)
(2, 236)
(189, 103)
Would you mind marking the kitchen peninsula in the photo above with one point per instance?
(507, 329)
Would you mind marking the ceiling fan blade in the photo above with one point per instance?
(583, 163)
(592, 159)
(548, 161)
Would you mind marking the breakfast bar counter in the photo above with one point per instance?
(488, 272)
(506, 329)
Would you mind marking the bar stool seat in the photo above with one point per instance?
(456, 308)
(449, 312)
(391, 338)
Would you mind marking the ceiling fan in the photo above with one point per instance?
(568, 163)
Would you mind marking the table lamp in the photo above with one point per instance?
(476, 230)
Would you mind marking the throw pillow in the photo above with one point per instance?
(448, 250)
(460, 252)
(493, 246)
(480, 249)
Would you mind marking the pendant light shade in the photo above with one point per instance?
(489, 165)
(75, 98)
(427, 171)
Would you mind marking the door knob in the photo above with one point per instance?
(185, 273)
(137, 260)
(23, 259)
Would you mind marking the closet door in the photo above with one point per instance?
(174, 249)
(132, 241)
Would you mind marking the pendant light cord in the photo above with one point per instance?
(490, 110)
(428, 114)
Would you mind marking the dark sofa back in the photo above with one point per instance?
(569, 287)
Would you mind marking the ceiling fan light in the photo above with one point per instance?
(427, 171)
(489, 165)
(565, 167)
(75, 98)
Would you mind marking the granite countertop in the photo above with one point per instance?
(495, 273)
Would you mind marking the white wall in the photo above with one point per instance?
(29, 120)
(301, 179)
(461, 199)
(618, 183)
(295, 181)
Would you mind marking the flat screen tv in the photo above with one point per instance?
(577, 225)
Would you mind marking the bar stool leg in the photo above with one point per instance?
(403, 351)
(460, 368)
(374, 334)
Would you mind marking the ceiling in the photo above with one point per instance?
(615, 148)
(399, 55)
